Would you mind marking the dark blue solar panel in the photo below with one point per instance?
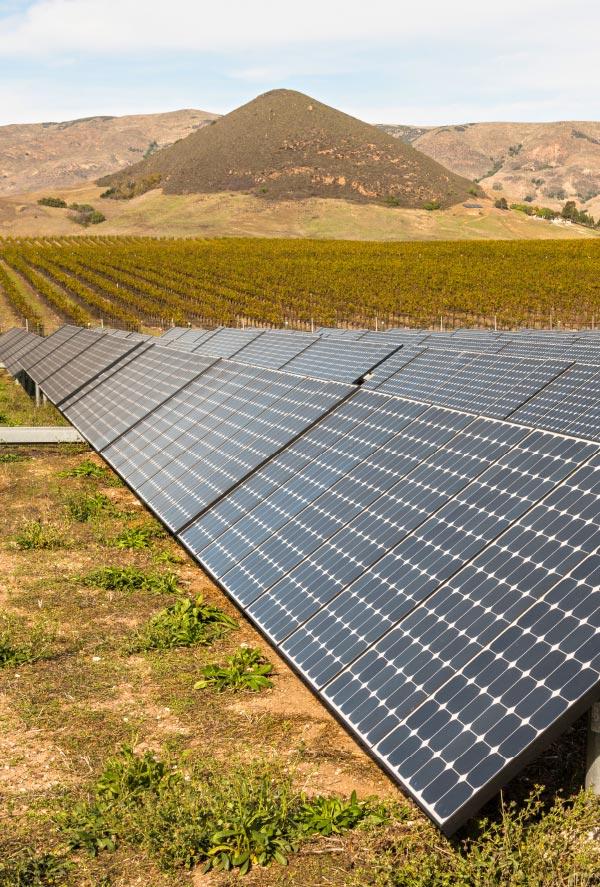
(211, 434)
(123, 397)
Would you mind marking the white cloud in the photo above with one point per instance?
(54, 26)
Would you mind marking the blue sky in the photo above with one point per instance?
(424, 63)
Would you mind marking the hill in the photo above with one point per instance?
(285, 145)
(234, 214)
(57, 155)
(548, 163)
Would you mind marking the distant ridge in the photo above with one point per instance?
(287, 145)
(543, 163)
(36, 156)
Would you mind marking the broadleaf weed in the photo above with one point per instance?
(185, 623)
(245, 670)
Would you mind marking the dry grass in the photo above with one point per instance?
(245, 215)
(16, 408)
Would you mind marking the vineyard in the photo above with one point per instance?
(135, 283)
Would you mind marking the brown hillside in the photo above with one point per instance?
(284, 144)
(37, 156)
(547, 162)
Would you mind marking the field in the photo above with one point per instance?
(151, 283)
(238, 214)
(117, 770)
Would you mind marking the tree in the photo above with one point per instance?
(501, 203)
(569, 211)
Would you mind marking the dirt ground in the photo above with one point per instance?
(60, 718)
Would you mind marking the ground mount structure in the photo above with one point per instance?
(411, 518)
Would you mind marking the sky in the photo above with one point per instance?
(426, 63)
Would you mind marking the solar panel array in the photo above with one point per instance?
(411, 518)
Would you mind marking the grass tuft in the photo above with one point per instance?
(130, 579)
(82, 508)
(8, 458)
(138, 537)
(34, 535)
(89, 469)
(28, 868)
(17, 647)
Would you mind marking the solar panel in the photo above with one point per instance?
(491, 385)
(392, 364)
(523, 654)
(33, 361)
(210, 435)
(179, 345)
(405, 575)
(11, 335)
(63, 354)
(226, 342)
(391, 440)
(562, 405)
(86, 365)
(10, 340)
(128, 394)
(425, 373)
(274, 349)
(404, 500)
(123, 334)
(16, 348)
(177, 331)
(339, 360)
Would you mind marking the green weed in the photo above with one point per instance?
(527, 845)
(192, 812)
(37, 536)
(168, 557)
(17, 647)
(328, 816)
(138, 537)
(185, 623)
(89, 469)
(5, 420)
(82, 508)
(8, 458)
(26, 868)
(129, 579)
(246, 670)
